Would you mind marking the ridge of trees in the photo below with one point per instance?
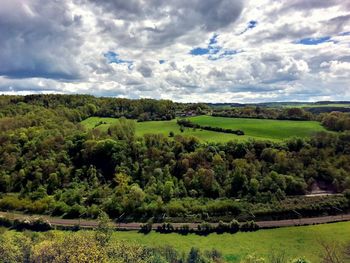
(50, 164)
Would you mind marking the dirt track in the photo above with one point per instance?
(136, 226)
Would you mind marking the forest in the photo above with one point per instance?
(51, 164)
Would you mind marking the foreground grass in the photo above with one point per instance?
(258, 129)
(293, 241)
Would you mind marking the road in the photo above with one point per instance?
(83, 223)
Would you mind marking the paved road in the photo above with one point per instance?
(55, 221)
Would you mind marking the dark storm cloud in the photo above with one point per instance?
(26, 85)
(173, 18)
(38, 39)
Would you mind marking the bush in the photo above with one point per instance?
(166, 228)
(6, 222)
(222, 227)
(59, 208)
(37, 224)
(205, 228)
(249, 226)
(347, 195)
(75, 211)
(145, 228)
(234, 226)
(184, 229)
(40, 224)
(21, 224)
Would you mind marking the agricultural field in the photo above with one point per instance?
(259, 129)
(313, 105)
(164, 127)
(293, 241)
(262, 128)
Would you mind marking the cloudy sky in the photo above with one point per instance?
(184, 50)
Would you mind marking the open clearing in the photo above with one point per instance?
(259, 129)
(293, 241)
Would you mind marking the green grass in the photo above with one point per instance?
(340, 105)
(294, 241)
(263, 129)
(275, 130)
(165, 127)
(90, 123)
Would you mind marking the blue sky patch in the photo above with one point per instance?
(252, 24)
(113, 57)
(162, 61)
(224, 54)
(213, 40)
(198, 51)
(213, 50)
(313, 41)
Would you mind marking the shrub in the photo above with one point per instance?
(249, 226)
(6, 222)
(21, 224)
(37, 224)
(205, 228)
(222, 227)
(166, 228)
(145, 228)
(40, 224)
(184, 229)
(234, 226)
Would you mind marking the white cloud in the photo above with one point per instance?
(61, 47)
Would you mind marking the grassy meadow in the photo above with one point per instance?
(258, 129)
(301, 241)
(292, 242)
(263, 129)
(312, 105)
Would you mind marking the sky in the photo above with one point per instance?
(187, 51)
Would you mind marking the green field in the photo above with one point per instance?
(263, 129)
(294, 241)
(254, 128)
(311, 105)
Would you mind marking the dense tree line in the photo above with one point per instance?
(264, 113)
(50, 164)
(78, 107)
(336, 121)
